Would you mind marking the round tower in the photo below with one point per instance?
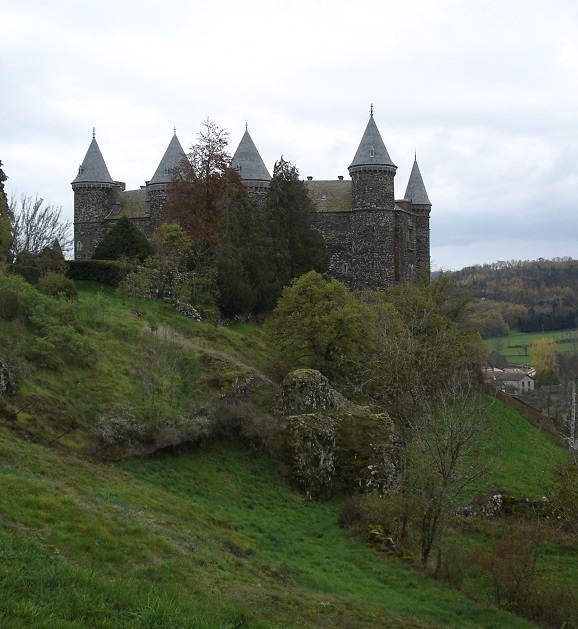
(373, 216)
(157, 187)
(94, 197)
(420, 205)
(251, 168)
(372, 172)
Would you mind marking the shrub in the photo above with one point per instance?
(53, 323)
(109, 272)
(123, 240)
(57, 285)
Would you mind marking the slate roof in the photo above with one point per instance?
(93, 168)
(173, 156)
(415, 190)
(247, 161)
(371, 151)
(133, 203)
(330, 195)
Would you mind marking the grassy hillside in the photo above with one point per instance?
(214, 536)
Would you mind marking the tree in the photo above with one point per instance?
(544, 359)
(447, 457)
(294, 246)
(37, 225)
(317, 324)
(6, 222)
(123, 240)
(196, 187)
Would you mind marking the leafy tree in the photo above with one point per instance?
(544, 359)
(37, 225)
(196, 187)
(317, 324)
(6, 222)
(123, 240)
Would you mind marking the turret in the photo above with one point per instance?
(157, 187)
(420, 205)
(95, 195)
(251, 168)
(372, 172)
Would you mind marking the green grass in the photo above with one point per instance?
(521, 457)
(516, 346)
(211, 538)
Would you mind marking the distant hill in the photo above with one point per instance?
(546, 290)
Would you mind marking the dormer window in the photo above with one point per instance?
(167, 170)
(371, 151)
(80, 170)
(324, 197)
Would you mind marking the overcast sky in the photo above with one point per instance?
(485, 91)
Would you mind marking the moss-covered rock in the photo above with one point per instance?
(308, 390)
(333, 445)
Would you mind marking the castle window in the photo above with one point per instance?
(344, 268)
(371, 152)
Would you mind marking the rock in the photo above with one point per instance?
(306, 391)
(7, 383)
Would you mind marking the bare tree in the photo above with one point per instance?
(37, 225)
(449, 456)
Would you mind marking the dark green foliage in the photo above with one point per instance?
(123, 240)
(6, 221)
(292, 246)
(109, 272)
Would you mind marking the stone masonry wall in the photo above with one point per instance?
(372, 190)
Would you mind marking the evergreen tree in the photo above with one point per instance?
(293, 246)
(124, 240)
(6, 222)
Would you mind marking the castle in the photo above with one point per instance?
(374, 241)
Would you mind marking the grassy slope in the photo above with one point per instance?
(213, 538)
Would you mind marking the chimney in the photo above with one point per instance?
(309, 178)
(340, 177)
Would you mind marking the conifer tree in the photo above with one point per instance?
(6, 222)
(124, 240)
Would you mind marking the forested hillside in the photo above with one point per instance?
(529, 295)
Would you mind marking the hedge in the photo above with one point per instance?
(108, 272)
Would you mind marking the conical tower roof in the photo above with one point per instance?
(371, 151)
(247, 161)
(93, 168)
(415, 190)
(173, 156)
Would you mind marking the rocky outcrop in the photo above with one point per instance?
(308, 390)
(331, 443)
(7, 382)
